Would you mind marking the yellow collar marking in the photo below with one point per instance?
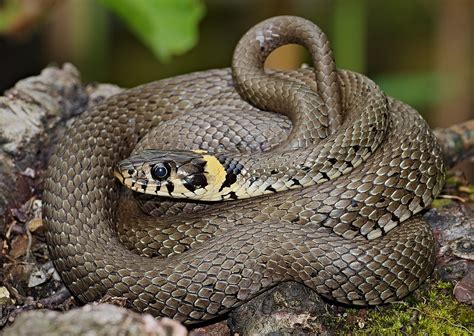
(215, 175)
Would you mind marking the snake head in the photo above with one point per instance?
(177, 174)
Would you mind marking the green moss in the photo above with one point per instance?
(432, 311)
(441, 202)
(453, 181)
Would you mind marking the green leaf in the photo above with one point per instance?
(167, 27)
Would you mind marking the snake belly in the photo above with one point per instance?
(353, 233)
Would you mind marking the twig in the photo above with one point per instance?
(454, 197)
(57, 298)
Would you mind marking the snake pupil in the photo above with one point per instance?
(160, 171)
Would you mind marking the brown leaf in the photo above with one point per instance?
(19, 246)
(35, 224)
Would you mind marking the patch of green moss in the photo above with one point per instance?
(441, 202)
(431, 311)
(453, 181)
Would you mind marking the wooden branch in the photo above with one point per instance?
(457, 142)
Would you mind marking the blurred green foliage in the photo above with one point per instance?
(167, 27)
(8, 13)
(393, 42)
(349, 38)
(418, 88)
(350, 17)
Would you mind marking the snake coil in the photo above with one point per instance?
(354, 169)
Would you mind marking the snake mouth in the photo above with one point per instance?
(139, 185)
(130, 174)
(128, 180)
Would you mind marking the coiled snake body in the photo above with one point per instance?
(342, 172)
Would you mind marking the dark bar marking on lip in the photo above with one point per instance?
(188, 185)
(170, 187)
(232, 195)
(230, 178)
(270, 188)
(295, 181)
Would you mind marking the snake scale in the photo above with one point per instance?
(342, 172)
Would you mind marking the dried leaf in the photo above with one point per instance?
(19, 246)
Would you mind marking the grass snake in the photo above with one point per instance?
(323, 178)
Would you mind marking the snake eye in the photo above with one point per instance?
(160, 171)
